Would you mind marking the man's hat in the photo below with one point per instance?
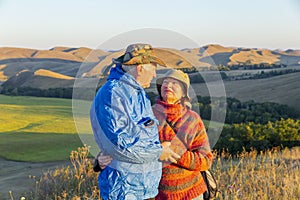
(138, 54)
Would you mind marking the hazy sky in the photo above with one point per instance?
(272, 24)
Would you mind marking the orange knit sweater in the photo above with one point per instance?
(186, 132)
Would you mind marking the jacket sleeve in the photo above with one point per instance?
(118, 132)
(196, 154)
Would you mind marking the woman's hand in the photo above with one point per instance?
(167, 154)
(103, 160)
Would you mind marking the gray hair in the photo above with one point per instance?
(128, 68)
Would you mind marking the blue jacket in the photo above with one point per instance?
(125, 127)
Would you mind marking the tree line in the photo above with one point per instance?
(248, 65)
(81, 93)
(248, 136)
(243, 112)
(251, 125)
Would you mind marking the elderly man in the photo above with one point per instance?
(126, 129)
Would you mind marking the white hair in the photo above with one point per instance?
(128, 68)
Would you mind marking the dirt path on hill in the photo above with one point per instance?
(14, 176)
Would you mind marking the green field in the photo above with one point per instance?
(37, 129)
(43, 129)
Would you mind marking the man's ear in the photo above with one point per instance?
(139, 69)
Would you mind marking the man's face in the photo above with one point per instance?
(146, 72)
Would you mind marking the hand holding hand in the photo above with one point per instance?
(103, 160)
(167, 154)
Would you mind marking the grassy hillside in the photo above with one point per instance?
(37, 129)
(40, 115)
(43, 129)
(282, 89)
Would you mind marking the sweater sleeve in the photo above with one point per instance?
(197, 154)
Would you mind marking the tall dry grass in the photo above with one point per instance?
(251, 175)
(255, 175)
(75, 182)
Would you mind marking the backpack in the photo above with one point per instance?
(211, 184)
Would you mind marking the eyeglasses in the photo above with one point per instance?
(173, 82)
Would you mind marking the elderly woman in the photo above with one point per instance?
(185, 131)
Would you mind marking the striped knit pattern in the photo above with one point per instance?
(182, 181)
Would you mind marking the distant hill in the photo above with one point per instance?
(66, 61)
(42, 79)
(59, 67)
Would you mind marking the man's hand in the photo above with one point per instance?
(167, 154)
(103, 160)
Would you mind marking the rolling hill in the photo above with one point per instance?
(67, 61)
(59, 67)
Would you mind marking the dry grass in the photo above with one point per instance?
(215, 48)
(260, 175)
(13, 52)
(254, 175)
(265, 57)
(75, 182)
(2, 76)
(56, 55)
(48, 73)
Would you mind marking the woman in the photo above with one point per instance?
(184, 129)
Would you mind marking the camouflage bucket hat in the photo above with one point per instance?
(138, 54)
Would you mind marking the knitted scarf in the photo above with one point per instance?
(186, 132)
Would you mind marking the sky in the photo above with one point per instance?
(270, 24)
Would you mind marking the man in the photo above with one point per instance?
(125, 128)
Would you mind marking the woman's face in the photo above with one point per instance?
(172, 90)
